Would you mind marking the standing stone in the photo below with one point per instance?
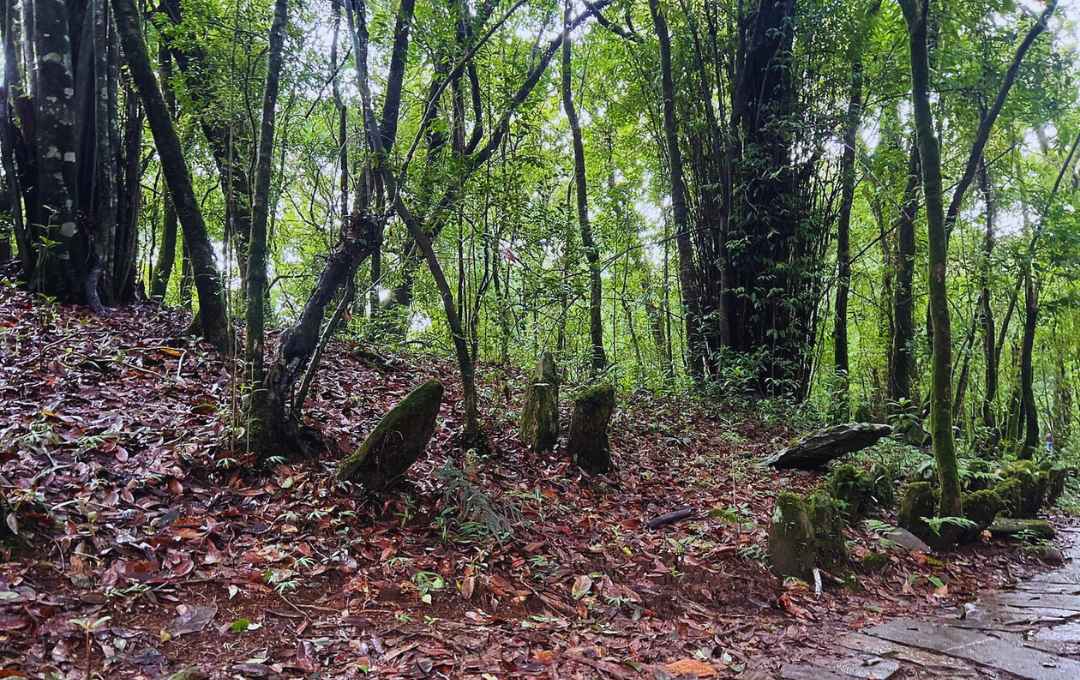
(540, 416)
(587, 444)
(397, 441)
(792, 544)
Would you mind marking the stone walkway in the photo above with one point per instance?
(1031, 631)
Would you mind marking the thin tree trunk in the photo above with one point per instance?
(986, 309)
(214, 322)
(257, 247)
(916, 13)
(167, 255)
(592, 253)
(902, 349)
(680, 215)
(1027, 374)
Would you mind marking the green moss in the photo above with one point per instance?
(918, 500)
(1033, 485)
(397, 441)
(827, 518)
(587, 443)
(981, 507)
(861, 491)
(792, 545)
(540, 414)
(1057, 476)
(874, 561)
(1010, 491)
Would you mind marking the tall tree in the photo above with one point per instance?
(212, 317)
(592, 253)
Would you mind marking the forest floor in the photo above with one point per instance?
(163, 548)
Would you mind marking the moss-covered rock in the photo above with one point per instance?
(397, 441)
(540, 416)
(587, 442)
(827, 518)
(1057, 476)
(918, 500)
(874, 561)
(861, 491)
(1010, 492)
(1009, 527)
(981, 507)
(1033, 485)
(792, 544)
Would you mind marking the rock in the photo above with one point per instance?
(792, 544)
(1057, 476)
(827, 519)
(917, 500)
(1010, 492)
(906, 540)
(816, 450)
(540, 415)
(1033, 485)
(981, 507)
(1008, 527)
(587, 443)
(397, 441)
(861, 491)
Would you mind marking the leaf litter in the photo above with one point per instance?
(162, 532)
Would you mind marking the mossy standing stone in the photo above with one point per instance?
(1033, 485)
(827, 518)
(1057, 476)
(1010, 491)
(540, 415)
(587, 443)
(397, 441)
(918, 500)
(982, 508)
(792, 544)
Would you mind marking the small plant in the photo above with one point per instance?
(936, 523)
(427, 582)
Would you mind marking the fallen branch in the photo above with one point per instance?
(670, 518)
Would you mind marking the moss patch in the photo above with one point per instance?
(792, 545)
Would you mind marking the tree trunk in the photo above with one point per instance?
(592, 253)
(63, 246)
(1027, 373)
(916, 13)
(215, 324)
(256, 270)
(159, 284)
(841, 404)
(986, 309)
(902, 345)
(696, 349)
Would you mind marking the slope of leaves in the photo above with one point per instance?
(161, 548)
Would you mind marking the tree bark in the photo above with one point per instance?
(986, 309)
(214, 322)
(167, 255)
(592, 253)
(902, 344)
(916, 13)
(1027, 373)
(697, 352)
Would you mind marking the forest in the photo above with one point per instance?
(528, 338)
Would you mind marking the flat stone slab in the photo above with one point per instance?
(979, 648)
(1035, 600)
(954, 668)
(814, 451)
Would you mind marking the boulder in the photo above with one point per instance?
(1008, 527)
(918, 500)
(814, 451)
(1033, 486)
(981, 507)
(861, 491)
(1057, 476)
(906, 540)
(792, 544)
(540, 415)
(587, 443)
(396, 442)
(1010, 492)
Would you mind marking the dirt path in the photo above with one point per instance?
(1031, 631)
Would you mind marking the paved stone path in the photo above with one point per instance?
(1031, 632)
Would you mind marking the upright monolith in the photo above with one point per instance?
(540, 415)
(587, 444)
(396, 442)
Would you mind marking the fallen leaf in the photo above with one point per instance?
(694, 667)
